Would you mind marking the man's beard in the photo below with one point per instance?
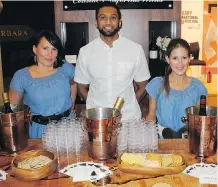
(110, 34)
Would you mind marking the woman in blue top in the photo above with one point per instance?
(47, 85)
(170, 95)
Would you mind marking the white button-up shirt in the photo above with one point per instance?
(110, 72)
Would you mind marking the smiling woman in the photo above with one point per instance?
(46, 85)
(175, 91)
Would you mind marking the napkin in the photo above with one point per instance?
(86, 171)
(207, 173)
(2, 175)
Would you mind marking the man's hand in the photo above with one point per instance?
(140, 90)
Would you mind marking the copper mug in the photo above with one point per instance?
(202, 131)
(101, 126)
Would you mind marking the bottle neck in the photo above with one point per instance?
(203, 101)
(5, 97)
(153, 40)
(152, 35)
(6, 101)
(7, 104)
(202, 111)
(83, 39)
(7, 107)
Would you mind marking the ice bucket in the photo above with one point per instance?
(202, 131)
(14, 128)
(101, 125)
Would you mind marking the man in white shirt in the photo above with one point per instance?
(107, 66)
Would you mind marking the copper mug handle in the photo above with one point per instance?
(184, 120)
(119, 127)
(83, 126)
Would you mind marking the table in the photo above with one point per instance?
(118, 178)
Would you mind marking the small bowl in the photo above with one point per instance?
(37, 173)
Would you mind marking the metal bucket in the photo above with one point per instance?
(202, 131)
(101, 125)
(14, 128)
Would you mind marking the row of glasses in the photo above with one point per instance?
(137, 135)
(65, 138)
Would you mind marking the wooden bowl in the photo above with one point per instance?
(37, 173)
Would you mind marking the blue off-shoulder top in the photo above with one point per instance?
(171, 108)
(45, 96)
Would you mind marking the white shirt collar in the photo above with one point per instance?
(115, 42)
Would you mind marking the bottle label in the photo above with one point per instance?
(153, 54)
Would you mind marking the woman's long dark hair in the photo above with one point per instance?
(55, 41)
(174, 43)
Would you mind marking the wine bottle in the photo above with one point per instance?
(153, 49)
(7, 106)
(209, 77)
(202, 111)
(83, 43)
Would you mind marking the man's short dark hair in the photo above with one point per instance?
(107, 4)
